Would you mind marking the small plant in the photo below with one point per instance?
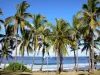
(17, 67)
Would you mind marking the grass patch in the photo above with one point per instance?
(17, 67)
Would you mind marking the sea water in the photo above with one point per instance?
(51, 63)
(51, 60)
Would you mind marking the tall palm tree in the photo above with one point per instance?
(25, 43)
(20, 18)
(44, 43)
(61, 36)
(89, 18)
(76, 37)
(75, 56)
(38, 22)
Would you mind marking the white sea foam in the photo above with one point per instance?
(54, 67)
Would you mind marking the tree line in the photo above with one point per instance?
(43, 34)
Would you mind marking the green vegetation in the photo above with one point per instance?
(11, 66)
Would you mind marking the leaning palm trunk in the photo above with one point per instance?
(42, 63)
(5, 42)
(16, 32)
(75, 60)
(33, 60)
(15, 56)
(77, 56)
(16, 46)
(16, 50)
(43, 52)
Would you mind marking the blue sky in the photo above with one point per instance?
(50, 8)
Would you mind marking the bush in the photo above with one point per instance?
(17, 67)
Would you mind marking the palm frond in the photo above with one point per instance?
(28, 15)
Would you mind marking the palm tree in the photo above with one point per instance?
(44, 43)
(89, 18)
(61, 36)
(38, 22)
(75, 58)
(5, 52)
(20, 19)
(87, 46)
(7, 45)
(25, 43)
(76, 37)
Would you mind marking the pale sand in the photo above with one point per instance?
(63, 73)
(97, 72)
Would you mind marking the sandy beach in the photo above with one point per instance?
(96, 72)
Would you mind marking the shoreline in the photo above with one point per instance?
(66, 67)
(96, 72)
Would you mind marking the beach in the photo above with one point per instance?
(96, 72)
(51, 68)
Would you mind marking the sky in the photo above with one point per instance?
(52, 9)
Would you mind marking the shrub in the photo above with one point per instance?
(17, 67)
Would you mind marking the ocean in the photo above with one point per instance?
(51, 60)
(68, 63)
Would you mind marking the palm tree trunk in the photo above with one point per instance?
(61, 65)
(16, 50)
(60, 61)
(15, 55)
(33, 60)
(22, 62)
(36, 39)
(92, 55)
(4, 63)
(89, 59)
(16, 32)
(42, 63)
(47, 63)
(5, 41)
(75, 60)
(43, 52)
